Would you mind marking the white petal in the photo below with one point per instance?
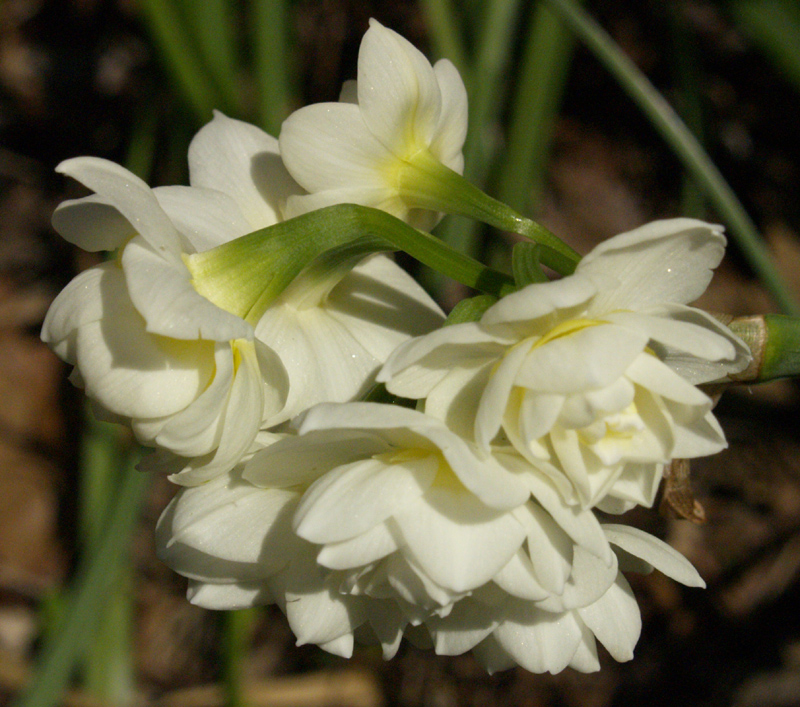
(663, 261)
(242, 417)
(352, 499)
(451, 130)
(382, 306)
(637, 484)
(518, 578)
(655, 552)
(580, 525)
(589, 580)
(207, 218)
(535, 309)
(416, 366)
(196, 429)
(492, 656)
(131, 372)
(301, 460)
(342, 646)
(658, 378)
(242, 161)
(232, 520)
(682, 336)
(691, 368)
(131, 197)
(615, 620)
(79, 303)
(378, 194)
(317, 613)
(585, 659)
(323, 360)
(467, 625)
(496, 394)
(163, 294)
(328, 146)
(700, 438)
(588, 359)
(91, 223)
(388, 623)
(537, 414)
(549, 548)
(455, 399)
(398, 91)
(539, 641)
(371, 546)
(460, 543)
(228, 597)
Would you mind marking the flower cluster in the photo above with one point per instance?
(466, 524)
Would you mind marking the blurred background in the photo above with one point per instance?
(554, 134)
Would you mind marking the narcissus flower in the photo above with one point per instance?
(190, 363)
(145, 344)
(375, 521)
(592, 377)
(401, 119)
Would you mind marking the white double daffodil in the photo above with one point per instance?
(378, 521)
(592, 377)
(187, 360)
(400, 120)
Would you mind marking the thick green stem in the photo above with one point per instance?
(426, 183)
(245, 276)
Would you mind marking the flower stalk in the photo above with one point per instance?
(424, 182)
(246, 275)
(774, 341)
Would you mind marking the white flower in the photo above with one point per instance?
(178, 358)
(591, 377)
(188, 375)
(331, 343)
(504, 630)
(367, 536)
(402, 112)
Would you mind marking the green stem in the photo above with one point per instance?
(485, 105)
(683, 143)
(426, 183)
(252, 271)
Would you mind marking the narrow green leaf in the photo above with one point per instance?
(237, 632)
(446, 37)
(684, 144)
(271, 36)
(534, 108)
(96, 575)
(470, 309)
(106, 666)
(181, 58)
(525, 264)
(212, 24)
(774, 25)
(486, 102)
